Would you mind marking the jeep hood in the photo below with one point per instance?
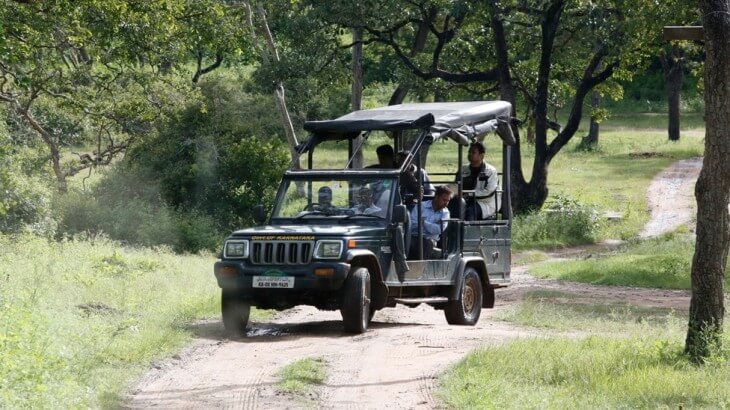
(310, 230)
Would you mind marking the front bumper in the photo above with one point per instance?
(239, 275)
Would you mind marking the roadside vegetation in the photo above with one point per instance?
(586, 365)
(662, 262)
(81, 318)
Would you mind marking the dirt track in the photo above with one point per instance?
(397, 362)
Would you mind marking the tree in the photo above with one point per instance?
(712, 191)
(107, 64)
(544, 55)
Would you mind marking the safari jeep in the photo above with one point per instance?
(329, 256)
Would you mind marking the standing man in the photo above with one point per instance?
(433, 212)
(482, 178)
(386, 157)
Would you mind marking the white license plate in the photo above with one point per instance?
(273, 281)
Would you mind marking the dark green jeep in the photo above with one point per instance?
(338, 236)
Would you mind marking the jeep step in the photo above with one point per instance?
(411, 301)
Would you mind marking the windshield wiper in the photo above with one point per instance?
(308, 214)
(363, 215)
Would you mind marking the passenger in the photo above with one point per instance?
(365, 205)
(482, 178)
(433, 212)
(386, 157)
(411, 191)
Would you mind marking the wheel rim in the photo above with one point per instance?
(468, 298)
(365, 305)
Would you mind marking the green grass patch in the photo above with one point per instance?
(597, 372)
(302, 376)
(564, 311)
(79, 320)
(663, 262)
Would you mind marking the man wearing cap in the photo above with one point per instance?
(482, 178)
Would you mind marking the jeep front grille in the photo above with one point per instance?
(281, 252)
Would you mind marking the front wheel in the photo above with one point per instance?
(466, 309)
(356, 302)
(235, 312)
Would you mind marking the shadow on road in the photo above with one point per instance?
(272, 332)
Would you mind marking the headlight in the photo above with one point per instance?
(236, 249)
(328, 250)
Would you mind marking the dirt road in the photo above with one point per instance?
(397, 362)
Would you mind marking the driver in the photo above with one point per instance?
(365, 205)
(324, 200)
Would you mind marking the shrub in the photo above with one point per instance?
(25, 201)
(562, 222)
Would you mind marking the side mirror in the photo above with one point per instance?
(400, 214)
(259, 215)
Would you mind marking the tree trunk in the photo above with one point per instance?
(591, 140)
(356, 99)
(707, 307)
(418, 44)
(269, 54)
(52, 145)
(673, 76)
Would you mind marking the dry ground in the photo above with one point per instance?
(397, 362)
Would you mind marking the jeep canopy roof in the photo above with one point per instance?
(460, 121)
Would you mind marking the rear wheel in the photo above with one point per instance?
(235, 312)
(466, 309)
(356, 302)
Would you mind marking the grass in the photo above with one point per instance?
(662, 262)
(302, 376)
(642, 367)
(596, 372)
(569, 312)
(80, 319)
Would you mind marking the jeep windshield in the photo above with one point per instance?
(332, 199)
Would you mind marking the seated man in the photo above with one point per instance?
(365, 204)
(386, 157)
(482, 179)
(432, 213)
(411, 190)
(324, 200)
(323, 204)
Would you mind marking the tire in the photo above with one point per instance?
(466, 309)
(235, 312)
(356, 302)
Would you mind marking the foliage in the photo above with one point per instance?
(563, 222)
(212, 160)
(111, 66)
(130, 210)
(79, 319)
(25, 201)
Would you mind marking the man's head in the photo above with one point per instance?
(441, 198)
(476, 154)
(386, 156)
(402, 155)
(365, 196)
(324, 196)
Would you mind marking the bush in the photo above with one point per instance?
(25, 201)
(562, 222)
(213, 161)
(128, 209)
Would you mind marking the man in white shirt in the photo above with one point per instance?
(365, 205)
